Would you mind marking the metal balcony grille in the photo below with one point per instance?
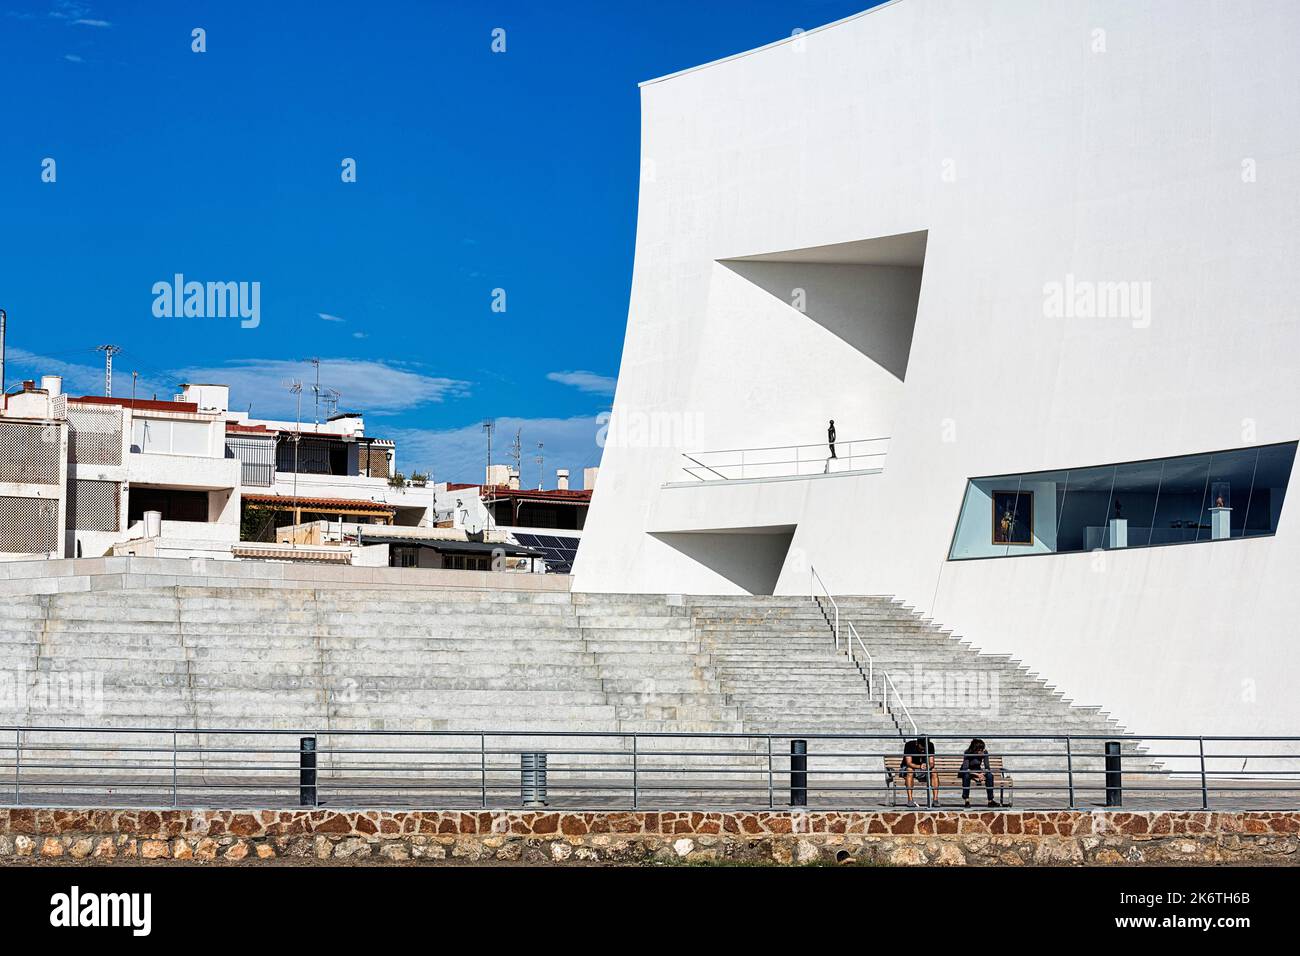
(257, 459)
(29, 525)
(29, 453)
(93, 505)
(315, 456)
(94, 435)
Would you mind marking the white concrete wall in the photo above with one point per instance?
(187, 472)
(1162, 150)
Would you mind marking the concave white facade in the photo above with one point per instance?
(897, 222)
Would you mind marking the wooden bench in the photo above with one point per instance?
(947, 771)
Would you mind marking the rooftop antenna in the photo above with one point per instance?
(332, 396)
(541, 475)
(135, 376)
(109, 351)
(4, 318)
(489, 426)
(316, 391)
(516, 452)
(295, 388)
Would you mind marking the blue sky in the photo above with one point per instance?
(475, 171)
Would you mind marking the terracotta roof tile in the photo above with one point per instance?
(319, 504)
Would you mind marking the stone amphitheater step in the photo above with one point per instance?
(787, 647)
(361, 660)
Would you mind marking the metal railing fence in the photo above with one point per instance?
(102, 767)
(785, 461)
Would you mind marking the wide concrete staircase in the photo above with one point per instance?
(468, 676)
(779, 665)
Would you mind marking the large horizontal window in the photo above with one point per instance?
(161, 436)
(1210, 497)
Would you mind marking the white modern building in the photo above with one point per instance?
(1037, 261)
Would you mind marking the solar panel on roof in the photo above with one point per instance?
(558, 551)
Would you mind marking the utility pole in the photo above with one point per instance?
(541, 475)
(295, 387)
(109, 351)
(316, 390)
(134, 377)
(489, 426)
(4, 318)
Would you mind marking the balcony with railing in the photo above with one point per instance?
(860, 456)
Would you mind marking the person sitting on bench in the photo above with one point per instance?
(973, 762)
(918, 763)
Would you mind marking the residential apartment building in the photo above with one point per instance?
(89, 476)
(33, 471)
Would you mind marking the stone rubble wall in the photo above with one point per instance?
(1006, 838)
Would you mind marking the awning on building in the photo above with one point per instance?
(331, 506)
(286, 553)
(453, 547)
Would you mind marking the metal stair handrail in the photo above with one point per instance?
(818, 582)
(854, 638)
(898, 697)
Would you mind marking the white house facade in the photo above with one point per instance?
(1037, 262)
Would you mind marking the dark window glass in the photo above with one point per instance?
(1264, 505)
(1085, 509)
(1183, 488)
(1179, 500)
(1133, 504)
(1231, 475)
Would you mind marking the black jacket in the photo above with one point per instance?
(975, 763)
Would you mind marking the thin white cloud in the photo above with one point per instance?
(453, 454)
(585, 381)
(72, 58)
(366, 386)
(92, 23)
(330, 318)
(360, 335)
(460, 454)
(69, 10)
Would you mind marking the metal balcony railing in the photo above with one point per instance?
(259, 475)
(125, 767)
(785, 461)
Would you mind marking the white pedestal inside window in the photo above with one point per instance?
(1118, 536)
(1220, 523)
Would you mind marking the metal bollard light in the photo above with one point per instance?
(1114, 775)
(532, 776)
(307, 771)
(798, 773)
